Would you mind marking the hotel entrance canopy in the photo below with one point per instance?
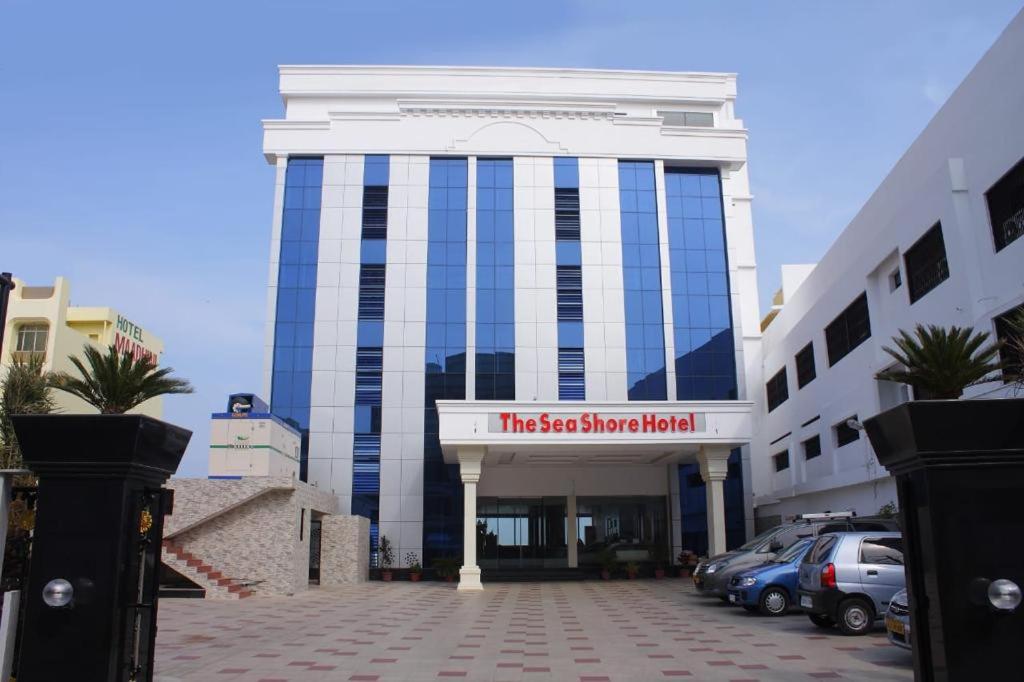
(605, 443)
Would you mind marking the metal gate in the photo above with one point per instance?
(314, 551)
(21, 521)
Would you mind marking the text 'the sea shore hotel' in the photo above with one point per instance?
(515, 310)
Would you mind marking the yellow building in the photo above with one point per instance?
(41, 322)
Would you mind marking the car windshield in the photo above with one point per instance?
(794, 552)
(759, 540)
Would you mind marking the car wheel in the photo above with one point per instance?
(774, 602)
(855, 617)
(821, 621)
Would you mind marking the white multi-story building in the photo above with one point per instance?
(514, 311)
(939, 242)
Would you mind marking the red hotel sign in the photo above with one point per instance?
(595, 422)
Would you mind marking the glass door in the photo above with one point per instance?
(525, 533)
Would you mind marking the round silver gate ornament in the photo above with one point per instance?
(1004, 594)
(58, 592)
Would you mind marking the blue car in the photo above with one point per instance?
(771, 587)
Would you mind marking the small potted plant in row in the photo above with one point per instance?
(412, 560)
(632, 570)
(447, 568)
(385, 558)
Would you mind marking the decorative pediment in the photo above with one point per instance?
(507, 137)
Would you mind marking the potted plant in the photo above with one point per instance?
(608, 562)
(100, 478)
(415, 569)
(116, 382)
(447, 568)
(938, 448)
(660, 556)
(386, 558)
(687, 558)
(939, 363)
(632, 570)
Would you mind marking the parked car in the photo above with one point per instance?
(897, 620)
(712, 576)
(771, 587)
(848, 579)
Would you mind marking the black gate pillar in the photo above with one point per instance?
(959, 468)
(99, 526)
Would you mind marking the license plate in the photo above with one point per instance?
(806, 602)
(732, 598)
(894, 625)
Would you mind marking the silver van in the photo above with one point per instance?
(848, 579)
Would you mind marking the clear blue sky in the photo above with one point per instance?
(130, 132)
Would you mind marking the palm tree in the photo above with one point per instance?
(116, 382)
(941, 363)
(25, 390)
(1014, 343)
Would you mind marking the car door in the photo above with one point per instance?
(881, 569)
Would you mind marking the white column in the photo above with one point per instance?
(571, 528)
(470, 465)
(714, 467)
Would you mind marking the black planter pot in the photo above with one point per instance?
(959, 468)
(99, 525)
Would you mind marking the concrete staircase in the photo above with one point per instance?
(217, 586)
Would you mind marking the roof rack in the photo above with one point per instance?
(823, 516)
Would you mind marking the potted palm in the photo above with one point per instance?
(115, 382)
(100, 513)
(447, 568)
(415, 568)
(957, 464)
(939, 363)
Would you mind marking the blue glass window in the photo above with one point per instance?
(296, 298)
(495, 287)
(641, 271)
(569, 279)
(370, 339)
(371, 292)
(701, 314)
(445, 361)
(570, 374)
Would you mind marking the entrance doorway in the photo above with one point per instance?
(521, 533)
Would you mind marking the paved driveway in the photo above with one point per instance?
(584, 631)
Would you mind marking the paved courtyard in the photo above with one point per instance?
(586, 632)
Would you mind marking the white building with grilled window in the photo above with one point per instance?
(941, 241)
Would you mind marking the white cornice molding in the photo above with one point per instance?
(282, 124)
(527, 72)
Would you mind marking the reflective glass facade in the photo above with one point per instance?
(296, 298)
(705, 354)
(445, 361)
(370, 340)
(701, 316)
(641, 274)
(495, 283)
(569, 280)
